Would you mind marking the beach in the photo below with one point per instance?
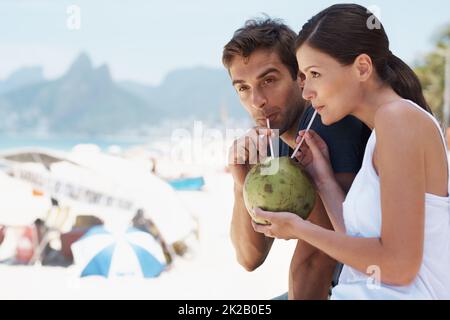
(210, 271)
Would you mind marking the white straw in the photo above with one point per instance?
(270, 139)
(303, 138)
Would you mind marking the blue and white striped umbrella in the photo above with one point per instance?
(129, 253)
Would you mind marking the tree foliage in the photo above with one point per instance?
(431, 73)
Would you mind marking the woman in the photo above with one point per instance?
(392, 232)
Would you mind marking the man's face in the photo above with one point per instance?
(266, 89)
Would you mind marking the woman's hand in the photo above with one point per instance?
(283, 225)
(315, 158)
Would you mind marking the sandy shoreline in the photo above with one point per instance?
(211, 273)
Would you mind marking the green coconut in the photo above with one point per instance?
(287, 189)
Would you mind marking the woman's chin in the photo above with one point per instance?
(326, 121)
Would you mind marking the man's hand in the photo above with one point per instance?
(247, 151)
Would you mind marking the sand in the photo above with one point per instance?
(210, 272)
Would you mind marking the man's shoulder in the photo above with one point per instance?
(349, 122)
(346, 140)
(347, 128)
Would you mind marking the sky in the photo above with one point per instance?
(143, 40)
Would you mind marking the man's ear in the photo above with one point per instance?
(363, 67)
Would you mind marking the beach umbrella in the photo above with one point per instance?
(107, 253)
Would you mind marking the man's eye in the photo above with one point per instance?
(242, 89)
(315, 74)
(267, 81)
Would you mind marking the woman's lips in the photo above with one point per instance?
(319, 108)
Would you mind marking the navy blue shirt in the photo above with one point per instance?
(346, 140)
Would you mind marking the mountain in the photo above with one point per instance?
(86, 100)
(200, 93)
(22, 77)
(140, 90)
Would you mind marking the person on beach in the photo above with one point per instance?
(392, 230)
(261, 62)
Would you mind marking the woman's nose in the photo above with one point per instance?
(308, 93)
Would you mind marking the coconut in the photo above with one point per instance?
(287, 189)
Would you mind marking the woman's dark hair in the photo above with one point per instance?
(345, 31)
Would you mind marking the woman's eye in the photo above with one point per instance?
(315, 74)
(242, 89)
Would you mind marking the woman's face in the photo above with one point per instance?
(332, 88)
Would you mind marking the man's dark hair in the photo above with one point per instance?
(264, 33)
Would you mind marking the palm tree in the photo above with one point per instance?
(431, 72)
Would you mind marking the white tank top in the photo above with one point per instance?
(362, 218)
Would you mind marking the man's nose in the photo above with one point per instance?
(259, 100)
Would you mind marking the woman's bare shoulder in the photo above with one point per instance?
(400, 117)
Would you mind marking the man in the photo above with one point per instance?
(261, 61)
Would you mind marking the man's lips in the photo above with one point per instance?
(271, 117)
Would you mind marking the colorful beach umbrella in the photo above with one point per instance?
(116, 254)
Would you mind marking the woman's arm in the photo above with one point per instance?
(401, 166)
(315, 159)
(333, 197)
(402, 134)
